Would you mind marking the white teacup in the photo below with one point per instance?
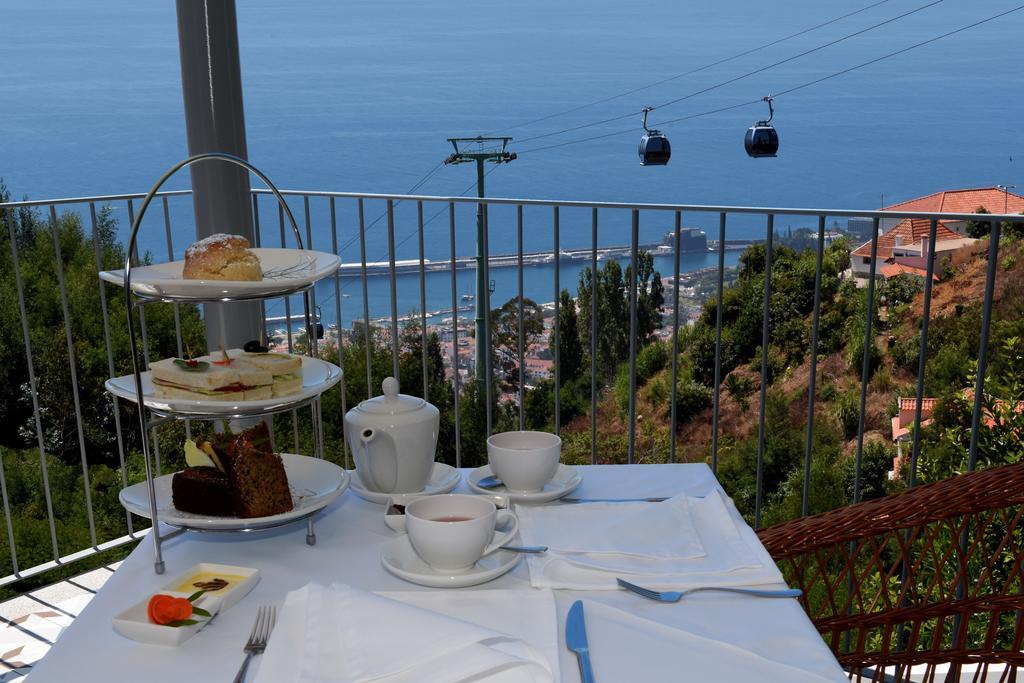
(524, 461)
(451, 532)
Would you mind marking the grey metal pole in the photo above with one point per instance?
(211, 84)
(481, 285)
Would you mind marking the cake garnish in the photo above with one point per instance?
(211, 585)
(191, 364)
(168, 610)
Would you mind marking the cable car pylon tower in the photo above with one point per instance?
(480, 149)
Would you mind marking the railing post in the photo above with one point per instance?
(522, 336)
(866, 359)
(455, 336)
(554, 328)
(394, 291)
(922, 358)
(633, 259)
(593, 337)
(759, 484)
(718, 344)
(341, 338)
(423, 303)
(675, 345)
(812, 380)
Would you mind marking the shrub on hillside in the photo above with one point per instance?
(691, 398)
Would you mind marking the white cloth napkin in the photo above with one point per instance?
(614, 528)
(346, 635)
(657, 553)
(662, 653)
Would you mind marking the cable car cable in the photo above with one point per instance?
(740, 77)
(788, 90)
(698, 69)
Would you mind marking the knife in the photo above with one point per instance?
(614, 500)
(576, 640)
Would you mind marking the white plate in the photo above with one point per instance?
(443, 478)
(400, 559)
(314, 484)
(283, 270)
(317, 377)
(565, 481)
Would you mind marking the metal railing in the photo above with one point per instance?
(332, 232)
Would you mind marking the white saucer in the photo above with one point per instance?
(400, 559)
(443, 478)
(565, 481)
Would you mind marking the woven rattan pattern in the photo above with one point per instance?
(926, 577)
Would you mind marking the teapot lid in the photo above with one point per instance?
(392, 402)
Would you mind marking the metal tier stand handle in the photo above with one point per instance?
(158, 562)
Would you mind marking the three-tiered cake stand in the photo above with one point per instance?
(315, 482)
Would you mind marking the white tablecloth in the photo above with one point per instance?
(350, 534)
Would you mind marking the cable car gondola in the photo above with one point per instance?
(654, 149)
(762, 140)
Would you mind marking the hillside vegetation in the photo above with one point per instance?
(893, 364)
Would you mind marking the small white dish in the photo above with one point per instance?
(394, 519)
(399, 558)
(443, 478)
(565, 481)
(134, 622)
(283, 270)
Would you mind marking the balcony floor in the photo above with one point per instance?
(30, 624)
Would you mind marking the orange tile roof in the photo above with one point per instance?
(927, 404)
(963, 201)
(992, 199)
(891, 269)
(912, 231)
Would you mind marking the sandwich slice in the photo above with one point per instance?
(210, 378)
(285, 368)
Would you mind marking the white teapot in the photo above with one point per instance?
(393, 438)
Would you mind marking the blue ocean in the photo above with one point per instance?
(361, 96)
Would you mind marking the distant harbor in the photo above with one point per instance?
(691, 241)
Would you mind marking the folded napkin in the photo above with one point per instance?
(658, 652)
(346, 635)
(642, 529)
(659, 547)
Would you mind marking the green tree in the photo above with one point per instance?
(505, 339)
(979, 228)
(613, 310)
(570, 350)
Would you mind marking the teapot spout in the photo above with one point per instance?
(378, 467)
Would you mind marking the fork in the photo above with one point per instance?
(266, 617)
(676, 596)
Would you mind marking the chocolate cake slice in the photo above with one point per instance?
(203, 491)
(259, 485)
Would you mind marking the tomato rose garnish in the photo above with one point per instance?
(164, 609)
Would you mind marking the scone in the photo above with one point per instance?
(221, 257)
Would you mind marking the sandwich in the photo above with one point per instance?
(211, 378)
(285, 368)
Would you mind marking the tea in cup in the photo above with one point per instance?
(524, 461)
(451, 532)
